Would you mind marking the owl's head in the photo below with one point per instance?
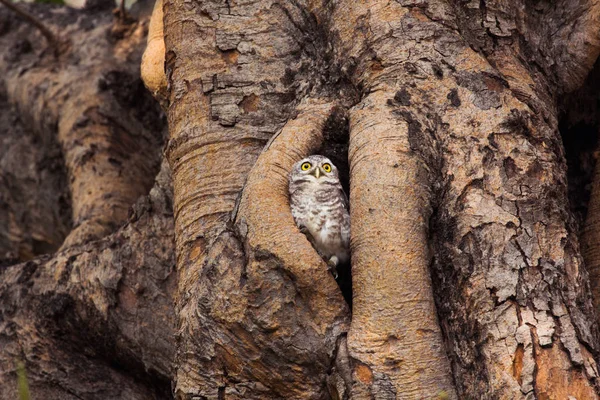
(316, 168)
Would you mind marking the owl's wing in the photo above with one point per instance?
(310, 237)
(345, 201)
(299, 220)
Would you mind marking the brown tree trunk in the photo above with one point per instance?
(467, 276)
(462, 121)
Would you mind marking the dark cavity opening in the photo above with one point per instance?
(579, 124)
(336, 135)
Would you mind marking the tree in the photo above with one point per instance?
(467, 274)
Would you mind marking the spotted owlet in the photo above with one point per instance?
(320, 208)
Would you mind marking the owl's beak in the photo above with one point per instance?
(316, 172)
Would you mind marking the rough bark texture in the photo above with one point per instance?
(96, 320)
(466, 91)
(443, 117)
(395, 341)
(92, 97)
(245, 306)
(505, 237)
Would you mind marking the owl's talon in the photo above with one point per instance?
(332, 264)
(333, 271)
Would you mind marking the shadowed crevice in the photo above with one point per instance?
(336, 135)
(579, 124)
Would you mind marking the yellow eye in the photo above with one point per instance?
(327, 167)
(305, 166)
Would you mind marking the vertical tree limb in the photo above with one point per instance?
(395, 339)
(497, 230)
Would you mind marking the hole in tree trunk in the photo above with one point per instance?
(579, 124)
(335, 147)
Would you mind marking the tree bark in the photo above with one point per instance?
(94, 320)
(444, 75)
(110, 155)
(35, 212)
(442, 116)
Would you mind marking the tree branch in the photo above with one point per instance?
(110, 300)
(50, 37)
(110, 132)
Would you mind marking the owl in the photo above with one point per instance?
(320, 208)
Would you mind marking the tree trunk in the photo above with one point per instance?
(467, 278)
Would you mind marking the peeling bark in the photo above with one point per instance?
(263, 330)
(96, 306)
(459, 120)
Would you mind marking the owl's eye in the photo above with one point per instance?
(327, 167)
(305, 166)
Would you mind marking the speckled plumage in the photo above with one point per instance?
(320, 208)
